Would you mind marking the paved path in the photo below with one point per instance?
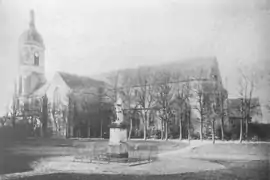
(186, 152)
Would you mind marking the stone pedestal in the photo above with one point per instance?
(117, 143)
(117, 135)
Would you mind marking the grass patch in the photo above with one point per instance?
(261, 149)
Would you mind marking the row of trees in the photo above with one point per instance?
(169, 96)
(248, 82)
(173, 96)
(160, 95)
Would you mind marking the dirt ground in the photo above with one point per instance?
(255, 170)
(51, 159)
(17, 156)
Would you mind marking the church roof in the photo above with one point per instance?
(41, 90)
(198, 67)
(193, 68)
(31, 36)
(77, 82)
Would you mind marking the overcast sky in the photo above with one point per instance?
(93, 36)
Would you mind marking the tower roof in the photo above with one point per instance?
(31, 36)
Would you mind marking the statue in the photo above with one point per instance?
(119, 111)
(118, 134)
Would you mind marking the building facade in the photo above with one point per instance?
(201, 75)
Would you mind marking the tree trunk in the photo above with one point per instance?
(241, 130)
(130, 128)
(67, 130)
(188, 129)
(144, 131)
(101, 128)
(222, 128)
(144, 127)
(187, 116)
(201, 129)
(213, 131)
(41, 130)
(246, 128)
(166, 130)
(89, 131)
(162, 127)
(180, 127)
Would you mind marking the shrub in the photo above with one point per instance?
(260, 131)
(10, 134)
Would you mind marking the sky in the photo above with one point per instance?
(89, 37)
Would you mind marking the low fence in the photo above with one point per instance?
(136, 154)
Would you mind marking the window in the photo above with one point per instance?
(36, 59)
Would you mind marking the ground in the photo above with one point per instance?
(52, 159)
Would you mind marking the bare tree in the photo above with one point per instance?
(187, 107)
(181, 100)
(212, 101)
(164, 98)
(100, 95)
(180, 106)
(71, 115)
(213, 118)
(55, 113)
(145, 95)
(223, 95)
(60, 111)
(247, 86)
(201, 106)
(129, 100)
(44, 115)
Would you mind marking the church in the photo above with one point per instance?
(90, 112)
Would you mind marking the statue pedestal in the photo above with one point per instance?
(117, 143)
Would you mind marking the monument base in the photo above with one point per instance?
(118, 151)
(118, 148)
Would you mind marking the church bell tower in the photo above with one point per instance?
(31, 60)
